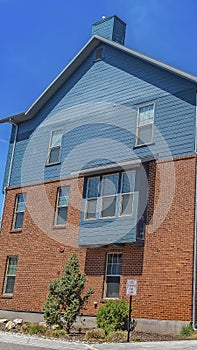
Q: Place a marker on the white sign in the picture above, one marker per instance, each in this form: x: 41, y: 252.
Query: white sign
x: 131, y: 288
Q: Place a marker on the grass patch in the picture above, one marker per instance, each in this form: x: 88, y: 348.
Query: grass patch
x: 59, y: 333
x: 33, y: 328
x: 187, y: 330
x: 95, y: 335
x: 117, y: 337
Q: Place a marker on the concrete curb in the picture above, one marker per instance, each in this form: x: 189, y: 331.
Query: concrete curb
x: 64, y: 345
x: 42, y: 342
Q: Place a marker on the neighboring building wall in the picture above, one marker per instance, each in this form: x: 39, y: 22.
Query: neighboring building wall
x: 163, y: 266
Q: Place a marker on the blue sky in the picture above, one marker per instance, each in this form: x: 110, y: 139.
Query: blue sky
x: 39, y: 37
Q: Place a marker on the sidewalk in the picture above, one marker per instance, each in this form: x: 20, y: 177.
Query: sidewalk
x: 32, y: 341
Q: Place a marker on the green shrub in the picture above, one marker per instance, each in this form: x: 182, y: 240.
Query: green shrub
x: 113, y: 316
x: 186, y: 330
x: 117, y: 337
x: 96, y: 334
x: 33, y: 328
x: 59, y: 333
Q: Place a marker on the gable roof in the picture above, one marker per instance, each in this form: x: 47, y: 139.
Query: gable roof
x: 76, y: 62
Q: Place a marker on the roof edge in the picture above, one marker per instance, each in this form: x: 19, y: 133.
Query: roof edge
x: 15, y: 118
x: 149, y: 59
x: 93, y: 42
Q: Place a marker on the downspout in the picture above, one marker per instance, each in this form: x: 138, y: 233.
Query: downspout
x: 195, y: 257
x: 195, y: 239
x: 10, y: 170
x: 13, y: 150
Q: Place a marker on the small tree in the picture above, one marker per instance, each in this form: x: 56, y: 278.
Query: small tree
x: 65, y: 299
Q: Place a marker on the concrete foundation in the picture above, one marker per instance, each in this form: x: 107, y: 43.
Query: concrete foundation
x: 159, y: 326
x: 87, y: 322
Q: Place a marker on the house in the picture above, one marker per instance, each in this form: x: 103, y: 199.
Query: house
x: 104, y: 164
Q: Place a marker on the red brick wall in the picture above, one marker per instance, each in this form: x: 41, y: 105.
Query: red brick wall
x: 41, y: 258
x: 163, y: 266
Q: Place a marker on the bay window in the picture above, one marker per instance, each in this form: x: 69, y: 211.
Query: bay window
x: 110, y: 196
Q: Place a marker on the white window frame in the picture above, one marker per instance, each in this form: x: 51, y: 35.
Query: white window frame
x: 6, y: 274
x: 138, y: 127
x: 105, y: 196
x: 60, y: 206
x: 126, y: 193
x: 87, y: 198
x: 50, y: 147
x: 105, y: 279
x: 18, y: 211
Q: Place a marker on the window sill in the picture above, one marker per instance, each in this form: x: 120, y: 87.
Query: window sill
x: 144, y: 145
x: 59, y: 227
x: 107, y: 219
x: 51, y: 164
x: 7, y: 296
x: 16, y: 230
x: 106, y: 299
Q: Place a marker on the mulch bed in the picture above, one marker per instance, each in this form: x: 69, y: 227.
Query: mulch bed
x: 134, y: 336
x: 144, y: 336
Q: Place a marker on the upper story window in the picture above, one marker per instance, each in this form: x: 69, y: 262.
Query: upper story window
x: 109, y: 196
x: 62, y: 205
x: 10, y: 275
x: 145, y: 124
x: 127, y: 189
x: 109, y: 192
x: 92, y: 194
x: 19, y: 211
x: 55, y: 147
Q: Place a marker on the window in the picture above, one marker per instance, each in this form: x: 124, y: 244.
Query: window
x: 93, y: 186
x: 111, y: 195
x: 127, y: 195
x: 145, y: 123
x: 62, y: 205
x: 10, y: 274
x: 112, y: 278
x: 55, y: 147
x: 19, y: 211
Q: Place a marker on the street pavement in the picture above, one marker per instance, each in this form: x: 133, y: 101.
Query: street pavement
x: 10, y: 341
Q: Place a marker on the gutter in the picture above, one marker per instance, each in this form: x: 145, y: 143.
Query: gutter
x: 195, y: 239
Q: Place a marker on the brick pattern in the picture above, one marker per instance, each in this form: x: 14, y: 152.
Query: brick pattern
x: 163, y: 266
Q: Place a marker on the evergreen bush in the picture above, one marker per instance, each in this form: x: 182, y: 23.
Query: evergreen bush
x: 65, y: 299
x: 113, y: 316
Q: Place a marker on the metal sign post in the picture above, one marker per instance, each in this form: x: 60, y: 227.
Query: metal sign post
x: 129, y: 325
x: 131, y: 289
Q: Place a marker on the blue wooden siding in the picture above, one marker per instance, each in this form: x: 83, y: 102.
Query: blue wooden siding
x: 97, y: 109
